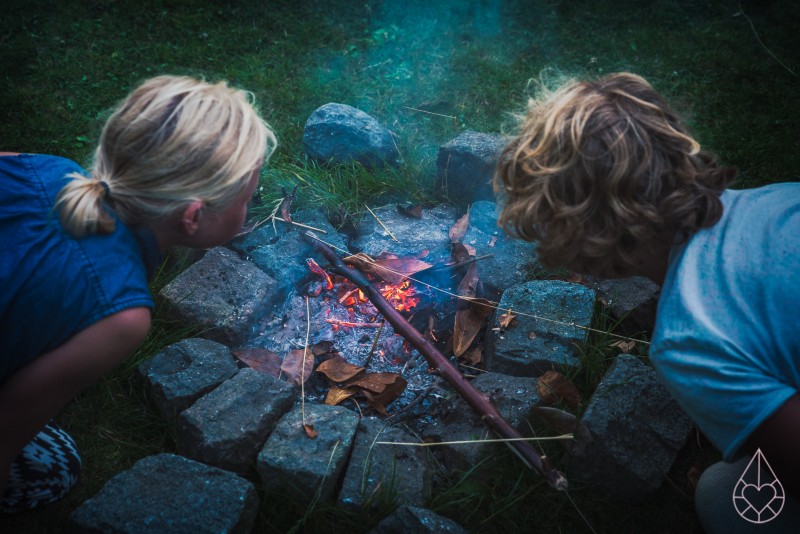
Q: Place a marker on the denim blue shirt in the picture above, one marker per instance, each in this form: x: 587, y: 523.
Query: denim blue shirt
x: 52, y: 285
x: 727, y: 338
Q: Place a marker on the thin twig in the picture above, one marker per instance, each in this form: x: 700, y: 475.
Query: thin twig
x: 452, y: 117
x: 303, y: 365
x: 381, y: 223
x: 301, y: 225
x: 753, y: 27
x: 375, y: 65
x: 374, y: 344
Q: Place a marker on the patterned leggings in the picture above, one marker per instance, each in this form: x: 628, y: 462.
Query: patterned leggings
x: 45, y: 470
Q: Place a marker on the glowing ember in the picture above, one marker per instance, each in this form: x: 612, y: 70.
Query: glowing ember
x: 402, y: 297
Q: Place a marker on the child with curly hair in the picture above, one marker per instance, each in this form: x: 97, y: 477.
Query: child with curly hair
x: 606, y: 179
x: 177, y: 163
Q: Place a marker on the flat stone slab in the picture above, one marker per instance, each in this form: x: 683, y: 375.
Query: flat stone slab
x: 415, y: 520
x: 169, y: 493
x: 514, y: 397
x: 637, y: 431
x: 379, y: 472
x: 305, y: 466
x: 185, y: 371
x: 547, y: 341
x: 340, y: 133
x: 223, y: 293
x: 465, y: 166
x: 228, y: 426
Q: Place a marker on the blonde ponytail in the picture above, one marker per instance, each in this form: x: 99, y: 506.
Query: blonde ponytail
x: 173, y: 140
x: 81, y: 207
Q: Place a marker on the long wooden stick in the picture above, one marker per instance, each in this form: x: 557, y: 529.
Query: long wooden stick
x: 477, y: 400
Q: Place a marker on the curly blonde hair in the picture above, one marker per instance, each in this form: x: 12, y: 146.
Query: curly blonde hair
x: 603, y: 170
x: 173, y: 140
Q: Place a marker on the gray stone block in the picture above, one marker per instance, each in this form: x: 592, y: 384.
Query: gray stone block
x: 168, y: 493
x: 514, y: 398
x: 292, y: 461
x: 465, y: 166
x: 223, y: 293
x: 513, y: 261
x: 185, y: 371
x: 340, y: 133
x: 637, y: 431
x: 377, y: 472
x: 227, y: 427
x: 634, y: 300
x: 548, y: 342
x: 415, y: 520
x: 431, y: 233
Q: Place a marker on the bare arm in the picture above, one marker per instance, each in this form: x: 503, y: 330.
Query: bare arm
x: 35, y: 393
x: 779, y: 440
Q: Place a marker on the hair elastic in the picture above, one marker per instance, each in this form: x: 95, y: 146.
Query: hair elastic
x: 106, y: 188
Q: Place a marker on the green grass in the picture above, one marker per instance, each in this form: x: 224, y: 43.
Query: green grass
x: 65, y: 65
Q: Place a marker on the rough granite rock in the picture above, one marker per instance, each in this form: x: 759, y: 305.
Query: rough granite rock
x: 281, y: 251
x: 637, y: 431
x: 534, y: 346
x: 340, y: 133
x: 465, y: 166
x: 414, y: 520
x: 377, y: 472
x: 634, y: 300
x: 514, y: 397
x: 292, y: 461
x: 169, y: 493
x: 227, y: 427
x: 513, y: 261
x: 413, y: 236
x: 185, y: 371
x: 223, y: 293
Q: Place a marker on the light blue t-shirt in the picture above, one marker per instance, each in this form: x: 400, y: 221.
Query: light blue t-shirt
x: 727, y: 337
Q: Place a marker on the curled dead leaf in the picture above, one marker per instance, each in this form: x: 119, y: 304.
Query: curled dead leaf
x: 507, y: 320
x: 468, y: 324
x: 459, y: 229
x: 337, y: 395
x: 298, y: 365
x: 337, y: 369
x: 553, y: 387
x: 411, y: 210
x: 262, y: 360
x: 473, y: 356
x: 391, y: 269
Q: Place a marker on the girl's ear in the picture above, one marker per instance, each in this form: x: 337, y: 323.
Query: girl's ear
x: 191, y: 217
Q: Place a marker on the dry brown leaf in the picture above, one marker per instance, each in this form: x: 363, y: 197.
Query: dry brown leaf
x: 337, y: 395
x: 298, y: 365
x: 468, y: 324
x: 374, y: 382
x: 392, y: 270
x: 321, y: 347
x: 414, y: 211
x: 554, y: 387
x: 262, y: 360
x: 459, y: 229
x: 625, y: 346
x: 337, y: 369
x: 473, y: 356
x: 310, y: 432
x: 507, y: 320
x: 392, y: 390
